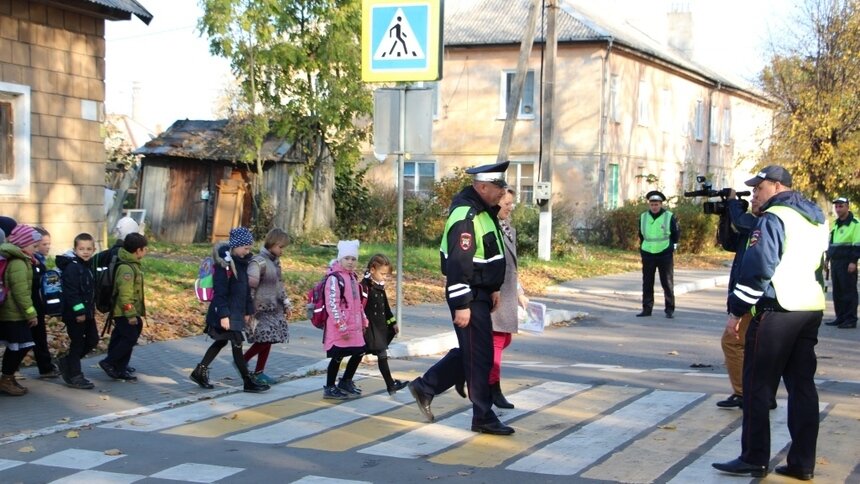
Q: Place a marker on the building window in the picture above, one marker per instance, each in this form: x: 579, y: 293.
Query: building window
x: 714, y: 126
x: 418, y: 177
x: 666, y: 110
x: 699, y: 122
x: 727, y: 126
x: 15, y: 142
x: 615, y: 98
x: 521, y: 177
x: 527, y: 104
x: 644, y: 110
x: 614, y: 183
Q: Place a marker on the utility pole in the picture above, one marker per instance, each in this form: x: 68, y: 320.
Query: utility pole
x: 512, y: 110
x: 547, y: 134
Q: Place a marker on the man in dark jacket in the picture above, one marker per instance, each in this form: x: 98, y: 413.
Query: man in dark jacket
x: 842, y: 255
x: 473, y: 261
x: 780, y: 284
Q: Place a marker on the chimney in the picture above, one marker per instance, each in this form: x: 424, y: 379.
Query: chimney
x: 680, y: 36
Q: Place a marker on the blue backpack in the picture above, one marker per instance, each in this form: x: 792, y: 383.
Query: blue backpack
x: 51, y: 291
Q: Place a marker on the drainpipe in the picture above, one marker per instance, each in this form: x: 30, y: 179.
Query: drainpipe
x: 604, y: 122
x: 710, y: 126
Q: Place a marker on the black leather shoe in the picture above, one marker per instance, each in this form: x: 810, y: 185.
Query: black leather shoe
x: 423, y: 401
x: 109, y: 369
x: 740, y: 467
x: 734, y: 401
x: 795, y: 473
x: 125, y: 375
x: 847, y: 325
x: 670, y: 315
x: 773, y: 405
x: 644, y: 314
x: 396, y: 385
x: 835, y: 322
x: 460, y: 388
x: 494, y: 428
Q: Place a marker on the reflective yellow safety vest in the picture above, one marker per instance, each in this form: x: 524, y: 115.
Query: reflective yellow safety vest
x: 846, y: 235
x: 484, y: 225
x: 655, y: 232
x: 794, y: 278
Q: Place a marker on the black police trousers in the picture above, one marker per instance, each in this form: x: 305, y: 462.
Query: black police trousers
x: 472, y: 360
x: 844, y: 291
x: 781, y: 344
x: 666, y: 264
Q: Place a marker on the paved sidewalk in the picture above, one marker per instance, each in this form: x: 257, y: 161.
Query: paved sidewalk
x: 630, y: 283
x: 163, y: 367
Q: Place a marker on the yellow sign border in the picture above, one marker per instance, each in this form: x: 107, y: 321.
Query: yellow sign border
x: 432, y: 72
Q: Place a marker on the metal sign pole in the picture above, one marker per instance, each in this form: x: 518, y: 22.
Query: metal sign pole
x: 400, y: 168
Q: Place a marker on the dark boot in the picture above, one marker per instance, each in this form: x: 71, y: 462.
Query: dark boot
x: 252, y: 385
x: 200, y: 376
x: 499, y: 399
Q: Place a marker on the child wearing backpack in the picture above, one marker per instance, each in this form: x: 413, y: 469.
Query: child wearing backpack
x: 382, y: 325
x: 344, y: 330
x: 271, y: 304
x: 17, y: 312
x: 230, y: 309
x: 47, y: 368
x: 129, y: 309
x: 78, y: 309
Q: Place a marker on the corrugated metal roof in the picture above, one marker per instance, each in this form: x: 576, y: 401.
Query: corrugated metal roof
x: 502, y: 22
x: 210, y: 140
x: 129, y: 6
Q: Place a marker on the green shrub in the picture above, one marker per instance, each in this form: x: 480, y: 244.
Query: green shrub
x: 526, y: 220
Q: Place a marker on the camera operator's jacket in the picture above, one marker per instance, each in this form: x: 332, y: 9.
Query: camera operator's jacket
x: 845, y: 240
x: 781, y: 268
x: 658, y: 233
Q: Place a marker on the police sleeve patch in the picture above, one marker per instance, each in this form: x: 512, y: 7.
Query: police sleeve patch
x: 754, y: 238
x: 465, y: 241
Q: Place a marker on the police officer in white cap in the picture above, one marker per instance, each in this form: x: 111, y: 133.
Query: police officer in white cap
x: 842, y: 255
x: 658, y: 236
x: 473, y: 261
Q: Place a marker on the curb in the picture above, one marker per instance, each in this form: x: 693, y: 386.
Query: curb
x: 684, y: 288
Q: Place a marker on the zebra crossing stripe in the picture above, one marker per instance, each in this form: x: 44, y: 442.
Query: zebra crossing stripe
x: 654, y: 454
x: 319, y: 421
x: 574, y: 452
x: 839, y: 457
x: 538, y: 427
x: 212, y: 408
x: 326, y: 480
x: 432, y: 438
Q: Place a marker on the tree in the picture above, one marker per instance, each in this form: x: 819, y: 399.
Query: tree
x: 815, y: 77
x: 298, y: 63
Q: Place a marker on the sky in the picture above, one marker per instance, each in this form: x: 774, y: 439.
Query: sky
x: 177, y: 77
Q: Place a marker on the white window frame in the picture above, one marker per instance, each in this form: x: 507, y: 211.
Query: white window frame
x: 666, y: 110
x: 615, y: 98
x: 417, y: 178
x: 19, y: 96
x: 644, y: 104
x: 727, y: 126
x: 515, y: 169
x: 503, y: 95
x: 698, y: 121
x: 714, y: 126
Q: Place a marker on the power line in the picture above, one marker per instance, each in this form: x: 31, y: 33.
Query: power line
x: 151, y: 34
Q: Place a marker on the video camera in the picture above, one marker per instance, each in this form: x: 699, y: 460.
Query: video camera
x: 717, y: 207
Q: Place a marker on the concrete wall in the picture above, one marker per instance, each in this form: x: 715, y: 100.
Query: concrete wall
x: 60, y: 55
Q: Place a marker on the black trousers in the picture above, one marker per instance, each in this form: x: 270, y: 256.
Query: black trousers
x: 472, y: 361
x: 844, y: 291
x: 666, y: 264
x: 781, y: 344
x: 83, y: 338
x: 40, y: 346
x: 122, y: 340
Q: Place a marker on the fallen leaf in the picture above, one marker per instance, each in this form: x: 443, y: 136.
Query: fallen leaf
x: 667, y: 427
x: 822, y: 461
x: 464, y: 473
x: 104, y: 397
x: 27, y: 449
x: 64, y: 420
x: 231, y: 417
x: 135, y: 423
x: 113, y: 452
x: 672, y: 353
x: 92, y: 405
x: 72, y: 434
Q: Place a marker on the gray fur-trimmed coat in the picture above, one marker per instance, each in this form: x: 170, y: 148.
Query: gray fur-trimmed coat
x: 505, y: 317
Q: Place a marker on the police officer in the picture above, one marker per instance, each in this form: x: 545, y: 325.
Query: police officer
x: 658, y: 236
x: 779, y: 284
x: 842, y: 256
x: 473, y: 261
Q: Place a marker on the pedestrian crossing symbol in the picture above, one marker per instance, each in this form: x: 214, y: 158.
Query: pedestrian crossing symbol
x: 401, y: 41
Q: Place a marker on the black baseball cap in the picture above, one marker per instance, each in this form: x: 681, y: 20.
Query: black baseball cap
x: 773, y: 173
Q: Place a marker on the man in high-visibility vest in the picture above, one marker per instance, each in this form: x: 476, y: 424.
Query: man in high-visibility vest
x: 842, y: 256
x: 473, y: 260
x: 780, y: 284
x: 658, y: 236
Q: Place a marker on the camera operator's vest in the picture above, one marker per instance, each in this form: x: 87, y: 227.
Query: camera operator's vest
x: 794, y: 278
x: 655, y: 232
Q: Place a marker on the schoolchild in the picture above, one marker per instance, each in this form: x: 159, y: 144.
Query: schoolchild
x: 78, y: 309
x: 129, y: 310
x: 47, y: 368
x: 271, y: 304
x: 382, y: 327
x: 343, y: 335
x: 230, y: 309
x: 17, y: 313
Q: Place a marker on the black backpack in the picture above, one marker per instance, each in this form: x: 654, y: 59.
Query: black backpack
x: 104, y: 282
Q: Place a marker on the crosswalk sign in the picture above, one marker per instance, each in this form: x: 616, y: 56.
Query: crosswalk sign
x: 401, y: 40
